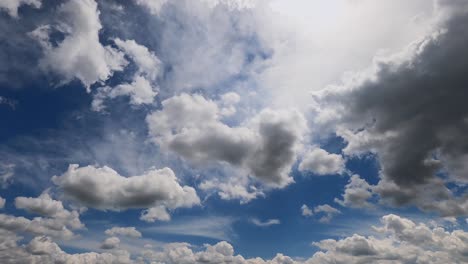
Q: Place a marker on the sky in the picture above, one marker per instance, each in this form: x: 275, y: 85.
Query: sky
x: 233, y: 131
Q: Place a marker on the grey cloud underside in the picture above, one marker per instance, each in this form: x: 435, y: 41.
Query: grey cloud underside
x: 412, y: 113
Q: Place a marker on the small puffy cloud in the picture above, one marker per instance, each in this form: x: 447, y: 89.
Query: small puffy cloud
x: 357, y: 193
x: 11, y: 6
x: 123, y: 231
x: 2, y: 202
x: 155, y: 213
x: 104, y: 189
x: 232, y: 189
x: 327, y: 211
x: 190, y: 126
x: 265, y: 223
x: 80, y: 54
x: 306, y: 211
x: 110, y: 243
x: 321, y: 162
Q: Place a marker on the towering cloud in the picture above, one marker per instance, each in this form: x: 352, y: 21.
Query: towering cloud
x: 410, y: 111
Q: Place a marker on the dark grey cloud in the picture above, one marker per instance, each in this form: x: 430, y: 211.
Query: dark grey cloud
x: 411, y: 111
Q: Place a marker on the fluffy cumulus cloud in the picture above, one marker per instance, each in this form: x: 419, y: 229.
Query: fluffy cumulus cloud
x: 80, y: 54
x: 266, y: 147
x: 54, y: 219
x: 11, y: 6
x: 321, y: 162
x: 409, y: 110
x: 110, y: 243
x: 123, y: 231
x: 403, y: 241
x: 357, y: 193
x: 103, y: 188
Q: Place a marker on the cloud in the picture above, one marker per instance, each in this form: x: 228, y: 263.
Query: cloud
x: 8, y: 102
x: 7, y: 170
x: 143, y: 89
x: 403, y: 242
x: 328, y: 211
x: 321, y: 162
x: 104, y: 189
x: 265, y: 223
x: 191, y: 126
x: 123, y: 231
x: 11, y: 6
x: 2, y: 202
x: 44, y: 205
x: 155, y: 213
x: 43, y: 249
x: 306, y: 211
x: 408, y: 111
x: 110, y: 243
x: 80, y: 54
x: 55, y: 220
x: 357, y: 193
x: 209, y: 227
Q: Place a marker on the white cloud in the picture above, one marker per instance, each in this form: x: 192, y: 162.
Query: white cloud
x: 103, y: 188
x: 321, y: 162
x: 44, y: 205
x: 155, y: 213
x: 7, y: 170
x: 2, y: 202
x: 11, y: 6
x: 357, y: 193
x: 328, y: 211
x: 123, y: 231
x: 110, y: 243
x: 265, y: 223
x: 190, y: 125
x: 80, y: 54
x: 306, y: 211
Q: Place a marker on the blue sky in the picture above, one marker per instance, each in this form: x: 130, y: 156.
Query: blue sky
x: 230, y: 131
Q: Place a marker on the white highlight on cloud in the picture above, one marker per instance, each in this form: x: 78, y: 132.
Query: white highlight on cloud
x: 104, y: 189
x: 265, y: 223
x: 80, y: 55
x: 123, y: 231
x: 321, y: 162
x: 11, y: 6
